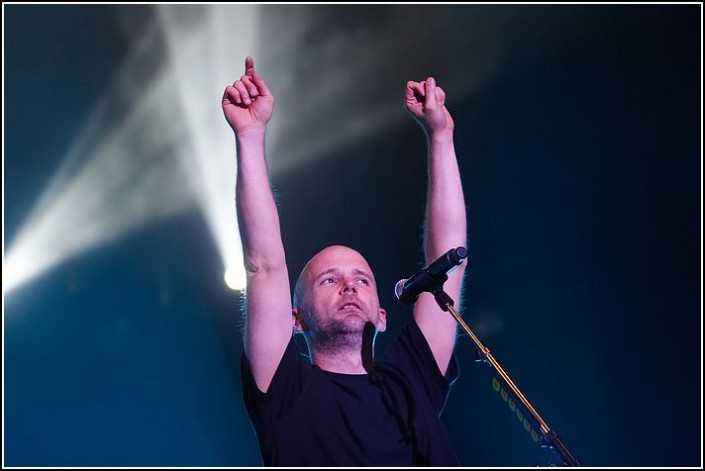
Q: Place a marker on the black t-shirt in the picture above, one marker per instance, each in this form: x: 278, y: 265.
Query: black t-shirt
x: 310, y: 417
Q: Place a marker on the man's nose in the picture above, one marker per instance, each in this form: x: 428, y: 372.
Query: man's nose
x: 349, y: 286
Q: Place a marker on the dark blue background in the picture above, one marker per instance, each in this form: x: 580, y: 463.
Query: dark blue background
x: 581, y: 163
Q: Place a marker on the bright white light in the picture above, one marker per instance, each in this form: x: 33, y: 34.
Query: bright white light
x: 170, y: 148
x: 235, y: 278
x: 158, y: 141
x: 207, y: 56
x: 117, y: 177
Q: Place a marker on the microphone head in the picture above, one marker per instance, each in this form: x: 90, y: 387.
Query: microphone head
x: 403, y: 297
x: 399, y: 288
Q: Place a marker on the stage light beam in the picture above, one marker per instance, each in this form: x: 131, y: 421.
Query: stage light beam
x: 203, y: 56
x: 171, y: 146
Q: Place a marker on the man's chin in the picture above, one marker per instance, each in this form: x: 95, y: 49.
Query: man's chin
x: 353, y: 322
x: 356, y: 321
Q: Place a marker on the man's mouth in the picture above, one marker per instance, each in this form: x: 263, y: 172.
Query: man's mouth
x: 350, y: 306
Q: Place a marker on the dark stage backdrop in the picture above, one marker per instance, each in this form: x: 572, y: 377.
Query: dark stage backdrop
x: 578, y: 134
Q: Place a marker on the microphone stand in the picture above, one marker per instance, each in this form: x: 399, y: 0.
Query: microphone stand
x: 549, y: 438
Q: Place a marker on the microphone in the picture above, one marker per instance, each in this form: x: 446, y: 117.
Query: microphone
x: 429, y: 278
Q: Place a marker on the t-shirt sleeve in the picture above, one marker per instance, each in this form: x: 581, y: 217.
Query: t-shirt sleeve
x: 412, y: 355
x: 285, y: 388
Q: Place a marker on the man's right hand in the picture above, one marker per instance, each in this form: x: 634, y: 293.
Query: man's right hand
x: 247, y: 103
x: 426, y: 103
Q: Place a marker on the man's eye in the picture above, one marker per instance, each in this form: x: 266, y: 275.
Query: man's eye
x: 326, y: 281
x: 363, y: 281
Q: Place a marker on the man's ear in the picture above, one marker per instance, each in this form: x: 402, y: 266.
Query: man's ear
x: 299, y: 325
x: 382, y: 323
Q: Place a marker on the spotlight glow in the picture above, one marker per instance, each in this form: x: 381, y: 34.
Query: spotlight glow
x: 172, y: 147
x: 109, y: 184
x: 157, y: 142
x: 235, y: 278
x: 204, y: 62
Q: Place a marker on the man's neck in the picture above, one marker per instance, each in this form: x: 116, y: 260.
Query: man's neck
x: 351, y: 354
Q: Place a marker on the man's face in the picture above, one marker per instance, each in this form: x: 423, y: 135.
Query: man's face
x: 340, y: 294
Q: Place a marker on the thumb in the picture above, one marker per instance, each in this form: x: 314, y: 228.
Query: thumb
x: 431, y: 99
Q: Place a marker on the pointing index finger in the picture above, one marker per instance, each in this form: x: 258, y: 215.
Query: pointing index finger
x: 249, y: 66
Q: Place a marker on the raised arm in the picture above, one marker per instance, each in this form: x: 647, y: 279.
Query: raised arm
x: 248, y: 105
x: 445, y: 225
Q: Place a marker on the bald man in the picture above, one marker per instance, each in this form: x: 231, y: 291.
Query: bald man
x: 343, y: 406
